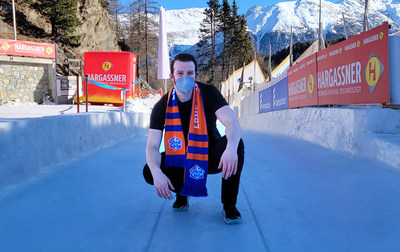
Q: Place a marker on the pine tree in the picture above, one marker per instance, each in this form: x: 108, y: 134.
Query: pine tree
x: 209, y: 29
x: 63, y: 18
x: 232, y: 28
x: 227, y: 32
x: 245, y: 46
x: 241, y: 44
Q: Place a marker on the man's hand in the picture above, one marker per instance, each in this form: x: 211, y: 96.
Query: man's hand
x: 228, y: 163
x: 233, y: 132
x: 163, y: 185
x: 153, y: 158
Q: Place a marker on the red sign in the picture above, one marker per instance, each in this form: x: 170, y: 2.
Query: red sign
x: 30, y: 49
x: 355, y: 71
x: 302, y: 84
x: 108, y: 74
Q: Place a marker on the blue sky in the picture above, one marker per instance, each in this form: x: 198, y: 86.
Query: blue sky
x: 244, y: 5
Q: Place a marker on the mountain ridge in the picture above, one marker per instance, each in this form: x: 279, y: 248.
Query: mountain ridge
x: 272, y: 23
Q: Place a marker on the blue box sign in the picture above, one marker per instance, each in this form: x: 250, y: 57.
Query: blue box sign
x: 265, y: 100
x: 274, y: 97
x: 280, y: 95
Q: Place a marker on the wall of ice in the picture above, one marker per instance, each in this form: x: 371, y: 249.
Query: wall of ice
x: 31, y: 146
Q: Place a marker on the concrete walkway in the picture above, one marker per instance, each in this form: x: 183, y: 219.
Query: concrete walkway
x: 294, y: 196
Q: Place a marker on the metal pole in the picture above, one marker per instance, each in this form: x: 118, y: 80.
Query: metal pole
x: 344, y: 24
x: 291, y: 46
x: 86, y: 91
x: 255, y: 66
x: 321, y: 44
x: 77, y: 93
x: 365, y: 26
x: 269, y: 64
x: 14, y: 20
x: 124, y: 103
x: 165, y: 86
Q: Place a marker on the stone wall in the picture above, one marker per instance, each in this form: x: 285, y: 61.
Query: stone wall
x: 28, y: 81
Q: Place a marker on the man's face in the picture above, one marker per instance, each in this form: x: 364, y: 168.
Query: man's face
x: 182, y: 69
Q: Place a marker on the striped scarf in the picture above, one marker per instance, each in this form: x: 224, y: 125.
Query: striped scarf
x: 194, y: 157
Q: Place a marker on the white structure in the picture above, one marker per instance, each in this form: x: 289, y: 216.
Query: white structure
x: 252, y: 75
x: 281, y: 68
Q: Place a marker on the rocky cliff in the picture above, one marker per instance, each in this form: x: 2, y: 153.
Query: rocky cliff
x: 96, y: 31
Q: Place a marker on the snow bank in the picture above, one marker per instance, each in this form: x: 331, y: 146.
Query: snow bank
x: 373, y: 133
x: 144, y: 104
x: 32, y: 145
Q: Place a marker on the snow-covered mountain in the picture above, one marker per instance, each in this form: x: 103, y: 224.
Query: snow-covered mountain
x: 271, y: 24
x: 183, y: 27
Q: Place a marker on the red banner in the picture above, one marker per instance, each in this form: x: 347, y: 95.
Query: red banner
x: 355, y: 71
x: 25, y: 48
x: 302, y: 89
x: 108, y: 74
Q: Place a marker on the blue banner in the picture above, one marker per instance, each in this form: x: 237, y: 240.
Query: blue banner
x: 274, y: 97
x: 265, y: 100
x: 280, y: 95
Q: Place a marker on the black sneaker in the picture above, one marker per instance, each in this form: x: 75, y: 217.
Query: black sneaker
x: 231, y: 215
x: 181, y: 203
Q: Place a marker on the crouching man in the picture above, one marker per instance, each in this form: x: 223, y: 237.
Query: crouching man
x: 193, y: 145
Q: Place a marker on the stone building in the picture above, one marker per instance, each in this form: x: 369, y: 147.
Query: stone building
x: 31, y: 79
x: 25, y: 79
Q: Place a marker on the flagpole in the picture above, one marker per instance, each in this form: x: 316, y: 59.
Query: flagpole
x: 163, y: 55
x: 14, y: 20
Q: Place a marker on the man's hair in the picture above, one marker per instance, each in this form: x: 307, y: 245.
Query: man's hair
x: 184, y: 57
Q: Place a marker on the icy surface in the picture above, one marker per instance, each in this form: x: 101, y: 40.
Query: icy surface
x: 294, y: 196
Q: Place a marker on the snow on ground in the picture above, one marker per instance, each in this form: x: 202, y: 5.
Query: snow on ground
x: 144, y: 104
x: 20, y: 109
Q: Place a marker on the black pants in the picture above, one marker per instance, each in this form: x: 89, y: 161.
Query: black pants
x: 229, y: 188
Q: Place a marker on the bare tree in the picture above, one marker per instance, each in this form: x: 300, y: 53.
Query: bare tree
x: 115, y: 8
x: 142, y: 38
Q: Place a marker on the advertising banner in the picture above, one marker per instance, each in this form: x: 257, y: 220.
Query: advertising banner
x: 25, y: 48
x: 274, y: 97
x: 280, y: 95
x: 110, y: 74
x: 265, y: 100
x: 355, y: 71
x: 302, y: 84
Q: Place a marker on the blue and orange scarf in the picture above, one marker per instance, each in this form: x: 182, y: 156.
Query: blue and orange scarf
x: 194, y: 156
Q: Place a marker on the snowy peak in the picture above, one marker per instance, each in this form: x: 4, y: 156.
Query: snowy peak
x: 183, y: 26
x: 272, y: 23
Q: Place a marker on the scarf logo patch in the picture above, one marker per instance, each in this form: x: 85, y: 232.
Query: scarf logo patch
x: 197, y: 173
x: 175, y: 143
